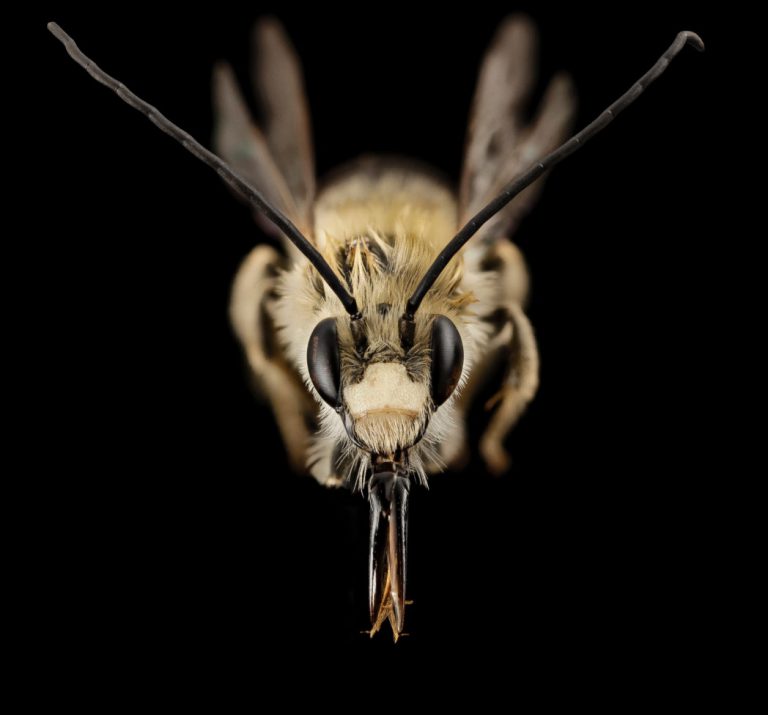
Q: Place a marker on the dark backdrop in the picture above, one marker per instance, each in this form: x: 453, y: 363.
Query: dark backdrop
x: 174, y: 549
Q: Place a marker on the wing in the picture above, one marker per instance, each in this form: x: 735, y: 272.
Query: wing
x: 280, y: 88
x: 499, y: 144
x: 277, y: 161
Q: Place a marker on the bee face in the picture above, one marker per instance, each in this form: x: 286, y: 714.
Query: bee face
x: 387, y: 411
x: 385, y: 393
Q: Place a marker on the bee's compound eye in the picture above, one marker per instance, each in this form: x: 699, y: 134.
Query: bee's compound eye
x: 323, y: 361
x: 447, y: 359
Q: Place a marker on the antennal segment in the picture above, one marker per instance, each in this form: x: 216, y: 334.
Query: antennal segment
x: 209, y: 158
x: 534, y: 172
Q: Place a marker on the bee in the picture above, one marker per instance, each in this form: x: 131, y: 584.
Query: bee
x: 371, y: 331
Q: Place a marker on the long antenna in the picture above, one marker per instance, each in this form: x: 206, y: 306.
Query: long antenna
x: 534, y: 172
x: 222, y: 168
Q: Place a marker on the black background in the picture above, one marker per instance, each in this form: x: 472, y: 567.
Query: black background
x: 174, y: 550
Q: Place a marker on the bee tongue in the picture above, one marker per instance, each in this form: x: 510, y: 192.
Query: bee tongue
x: 388, y: 496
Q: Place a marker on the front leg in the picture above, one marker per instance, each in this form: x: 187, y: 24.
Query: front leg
x: 520, y: 385
x: 511, y: 284
x: 250, y: 313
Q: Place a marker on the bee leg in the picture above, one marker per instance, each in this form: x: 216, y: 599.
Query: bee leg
x: 512, y: 282
x: 249, y: 310
x: 519, y: 388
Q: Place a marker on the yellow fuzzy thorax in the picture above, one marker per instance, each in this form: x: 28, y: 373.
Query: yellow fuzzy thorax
x: 392, y: 202
x: 382, y: 229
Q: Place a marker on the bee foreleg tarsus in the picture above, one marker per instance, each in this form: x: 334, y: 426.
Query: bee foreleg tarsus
x: 520, y: 386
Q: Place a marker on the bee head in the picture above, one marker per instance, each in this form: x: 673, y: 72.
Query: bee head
x: 384, y: 383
